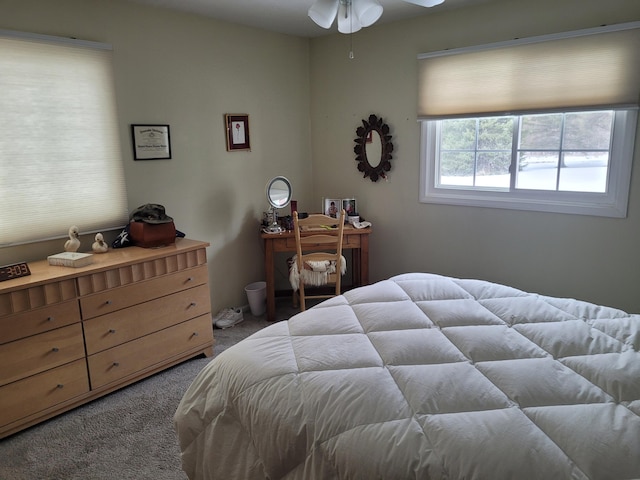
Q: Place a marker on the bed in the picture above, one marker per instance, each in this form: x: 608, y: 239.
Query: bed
x: 427, y: 377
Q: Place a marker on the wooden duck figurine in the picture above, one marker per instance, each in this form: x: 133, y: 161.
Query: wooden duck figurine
x: 73, y: 244
x: 99, y: 246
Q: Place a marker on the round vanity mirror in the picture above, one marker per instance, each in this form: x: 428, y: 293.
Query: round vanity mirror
x: 373, y: 148
x: 279, y: 193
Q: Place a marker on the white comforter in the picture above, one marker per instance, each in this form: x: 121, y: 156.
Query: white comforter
x: 426, y: 377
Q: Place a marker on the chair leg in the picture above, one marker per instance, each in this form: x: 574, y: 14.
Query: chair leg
x: 294, y: 299
x: 301, y: 297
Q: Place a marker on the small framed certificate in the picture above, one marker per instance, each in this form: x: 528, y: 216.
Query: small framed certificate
x: 151, y: 142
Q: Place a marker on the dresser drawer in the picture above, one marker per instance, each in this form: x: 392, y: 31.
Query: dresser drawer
x: 122, y: 297
x: 130, y: 323
x: 38, y: 353
x: 39, y: 320
x: 127, y: 359
x: 39, y: 392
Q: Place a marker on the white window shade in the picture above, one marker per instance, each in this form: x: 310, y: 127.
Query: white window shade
x: 597, y: 68
x: 60, y: 155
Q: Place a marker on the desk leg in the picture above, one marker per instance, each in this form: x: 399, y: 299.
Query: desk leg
x: 364, y: 260
x: 269, y: 273
x: 357, y: 267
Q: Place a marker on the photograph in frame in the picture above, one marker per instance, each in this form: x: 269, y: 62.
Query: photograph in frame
x: 331, y: 206
x: 151, y: 142
x: 237, y: 131
x: 350, y: 206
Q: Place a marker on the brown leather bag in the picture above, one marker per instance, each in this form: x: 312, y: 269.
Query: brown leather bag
x: 151, y: 235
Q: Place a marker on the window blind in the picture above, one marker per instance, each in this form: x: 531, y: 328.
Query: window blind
x: 60, y: 155
x: 598, y: 67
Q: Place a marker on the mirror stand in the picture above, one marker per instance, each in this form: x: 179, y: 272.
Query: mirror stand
x: 273, y: 221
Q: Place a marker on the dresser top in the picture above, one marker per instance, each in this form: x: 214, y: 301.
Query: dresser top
x: 42, y: 272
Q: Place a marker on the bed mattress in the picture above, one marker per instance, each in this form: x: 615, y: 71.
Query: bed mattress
x: 427, y: 377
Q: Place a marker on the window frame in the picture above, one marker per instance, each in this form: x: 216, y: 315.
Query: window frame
x: 613, y: 203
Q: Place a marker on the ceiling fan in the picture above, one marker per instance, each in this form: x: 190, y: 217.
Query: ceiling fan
x: 353, y: 14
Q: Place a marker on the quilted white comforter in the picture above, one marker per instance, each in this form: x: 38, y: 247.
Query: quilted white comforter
x: 426, y: 377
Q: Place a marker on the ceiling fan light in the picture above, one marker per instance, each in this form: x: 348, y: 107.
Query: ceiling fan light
x: 347, y: 21
x: 367, y: 11
x: 323, y: 12
x: 425, y: 3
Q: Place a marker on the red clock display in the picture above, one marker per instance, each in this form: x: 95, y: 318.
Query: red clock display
x: 15, y: 270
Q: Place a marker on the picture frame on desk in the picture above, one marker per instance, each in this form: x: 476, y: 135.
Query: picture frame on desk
x: 350, y: 206
x: 330, y: 206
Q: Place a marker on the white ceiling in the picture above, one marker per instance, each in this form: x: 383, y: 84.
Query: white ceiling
x: 290, y: 16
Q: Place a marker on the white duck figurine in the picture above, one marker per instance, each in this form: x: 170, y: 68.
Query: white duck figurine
x: 99, y: 246
x: 73, y: 244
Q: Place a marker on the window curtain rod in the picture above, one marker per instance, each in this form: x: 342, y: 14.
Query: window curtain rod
x: 54, y: 39
x: 527, y: 40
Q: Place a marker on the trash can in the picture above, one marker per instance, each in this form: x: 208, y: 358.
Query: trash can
x: 257, y: 296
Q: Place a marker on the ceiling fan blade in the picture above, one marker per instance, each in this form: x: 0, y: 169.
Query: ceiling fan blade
x: 347, y: 21
x: 323, y: 12
x: 368, y: 12
x: 425, y: 3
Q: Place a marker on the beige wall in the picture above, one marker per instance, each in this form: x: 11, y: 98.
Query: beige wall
x: 595, y: 259
x: 305, y: 100
x: 188, y: 71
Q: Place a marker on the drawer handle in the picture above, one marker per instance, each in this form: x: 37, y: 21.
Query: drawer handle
x: 60, y: 385
x: 55, y: 349
x: 111, y: 330
x: 194, y: 334
x: 192, y: 304
x: 49, y: 319
x: 116, y: 364
x: 190, y: 279
x: 108, y: 302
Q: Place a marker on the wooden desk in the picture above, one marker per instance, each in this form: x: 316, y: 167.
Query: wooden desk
x: 355, y: 239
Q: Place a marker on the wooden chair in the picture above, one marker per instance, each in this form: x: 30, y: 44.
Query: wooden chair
x: 309, y: 262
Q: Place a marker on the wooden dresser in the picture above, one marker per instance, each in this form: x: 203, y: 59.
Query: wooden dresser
x: 70, y: 335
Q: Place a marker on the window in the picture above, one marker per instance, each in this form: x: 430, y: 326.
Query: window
x: 562, y: 162
x: 60, y: 155
x: 530, y: 133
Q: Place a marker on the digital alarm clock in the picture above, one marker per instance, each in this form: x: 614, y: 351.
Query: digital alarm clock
x: 15, y: 270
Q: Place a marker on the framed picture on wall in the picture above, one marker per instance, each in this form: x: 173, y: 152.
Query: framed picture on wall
x: 151, y: 142
x: 237, y: 131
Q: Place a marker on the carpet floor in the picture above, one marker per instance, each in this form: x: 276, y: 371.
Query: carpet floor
x: 125, y: 435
